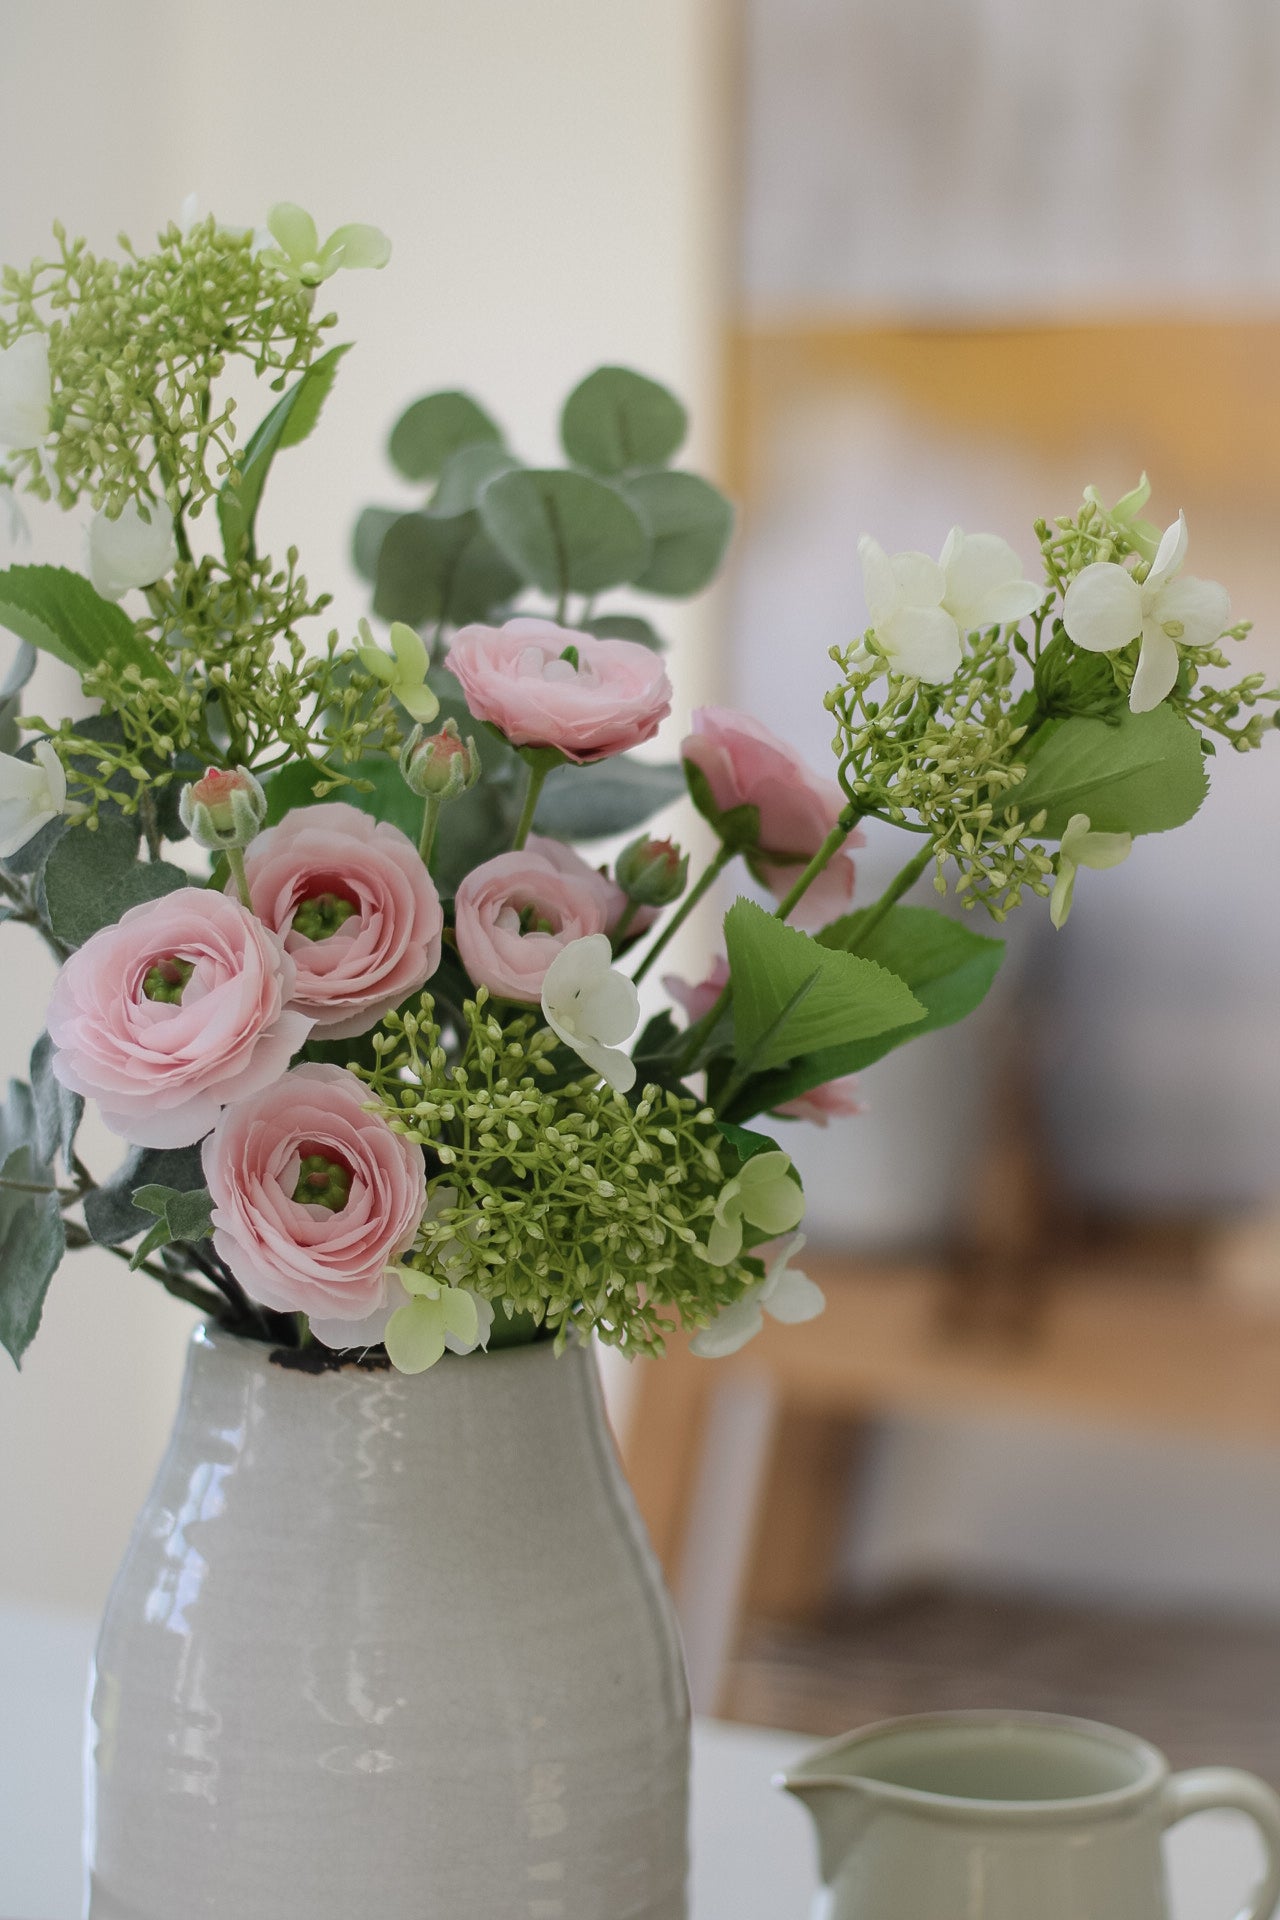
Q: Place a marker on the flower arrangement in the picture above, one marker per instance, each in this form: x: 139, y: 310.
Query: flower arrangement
x: 330, y: 963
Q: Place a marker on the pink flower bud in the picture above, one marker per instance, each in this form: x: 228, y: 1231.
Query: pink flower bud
x: 439, y: 765
x: 652, y: 872
x: 224, y: 809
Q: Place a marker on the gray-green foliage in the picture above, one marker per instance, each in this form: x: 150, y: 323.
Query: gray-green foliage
x: 32, y: 1236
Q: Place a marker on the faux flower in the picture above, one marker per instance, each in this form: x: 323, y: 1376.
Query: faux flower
x: 314, y: 1197
x: 565, y: 859
x: 439, y: 766
x: 131, y: 551
x: 32, y: 792
x: 542, y: 685
x: 1105, y: 609
x: 356, y: 908
x: 515, y: 913
x: 1124, y: 518
x: 1081, y: 847
x: 404, y: 669
x: 698, y: 998
x: 298, y: 250
x: 764, y: 1195
x: 920, y: 609
x: 785, y: 1294
x: 744, y: 764
x: 590, y: 1005
x: 224, y: 808
x: 454, y: 1260
x: 652, y: 872
x: 434, y: 1316
x: 833, y: 1100
x: 178, y: 1009
x: 26, y: 392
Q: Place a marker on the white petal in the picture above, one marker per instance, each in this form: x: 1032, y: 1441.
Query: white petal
x: 732, y: 1327
x: 55, y: 778
x: 923, y: 643
x: 366, y: 1332
x: 294, y: 232
x: 1201, y: 607
x: 25, y: 392
x: 795, y: 1298
x: 612, y: 1007
x: 920, y: 580
x: 1157, y: 670
x: 1103, y: 850
x: 484, y: 1325
x: 1063, y: 888
x: 356, y: 246
x: 984, y: 582
x: 879, y: 585
x: 1102, y: 611
x: 1074, y: 835
x: 1170, y: 554
x: 130, y: 551
x: 618, y: 1068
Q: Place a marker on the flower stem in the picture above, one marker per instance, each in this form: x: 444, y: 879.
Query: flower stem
x: 723, y: 856
x: 235, y: 860
x: 624, y: 920
x: 538, y: 771
x: 903, y: 882
x: 430, y: 818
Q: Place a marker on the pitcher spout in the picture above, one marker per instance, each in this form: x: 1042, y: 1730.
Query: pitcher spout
x: 839, y: 1807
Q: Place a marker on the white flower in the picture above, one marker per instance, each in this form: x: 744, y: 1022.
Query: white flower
x: 785, y: 1295
x: 763, y: 1194
x: 1124, y: 518
x: 130, y: 551
x: 1105, y: 608
x: 434, y: 1317
x: 592, y: 1006
x: 26, y: 392
x: 1080, y: 847
x: 32, y: 792
x: 297, y: 245
x: 920, y: 609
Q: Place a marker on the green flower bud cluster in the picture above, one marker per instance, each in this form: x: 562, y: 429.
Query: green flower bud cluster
x: 573, y: 1204
x: 653, y: 873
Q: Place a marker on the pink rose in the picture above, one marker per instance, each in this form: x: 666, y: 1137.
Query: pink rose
x: 566, y: 860
x: 313, y: 1195
x: 178, y: 1009
x: 547, y: 686
x: 356, y: 908
x: 834, y: 1099
x: 697, y: 1000
x: 746, y: 765
x: 515, y: 913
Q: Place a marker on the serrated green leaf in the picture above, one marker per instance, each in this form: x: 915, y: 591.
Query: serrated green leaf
x: 58, y: 1112
x: 564, y: 531
x: 690, y: 523
x: 745, y: 1142
x: 616, y: 419
x: 288, y: 424
x: 91, y: 878
x: 60, y: 613
x: 792, y: 996
x: 434, y: 427
x: 612, y: 796
x: 1142, y: 774
x: 32, y: 1243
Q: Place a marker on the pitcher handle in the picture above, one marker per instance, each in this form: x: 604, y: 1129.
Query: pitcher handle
x: 1206, y: 1788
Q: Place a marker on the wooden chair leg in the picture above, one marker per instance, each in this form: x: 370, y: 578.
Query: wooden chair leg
x: 800, y: 1514
x: 662, y: 1447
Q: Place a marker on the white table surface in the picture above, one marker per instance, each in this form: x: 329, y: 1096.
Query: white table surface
x: 753, y: 1859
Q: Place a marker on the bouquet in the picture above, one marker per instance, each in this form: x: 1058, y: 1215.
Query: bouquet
x: 331, y: 966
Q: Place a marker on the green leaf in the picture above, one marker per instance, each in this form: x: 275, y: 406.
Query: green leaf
x: 32, y: 1243
x: 91, y: 878
x: 59, y: 612
x: 434, y: 427
x: 587, y: 803
x: 390, y: 799
x: 616, y: 419
x: 625, y: 626
x: 564, y: 531
x: 1142, y: 774
x: 288, y: 424
x: 745, y: 1142
x: 440, y: 567
x: 366, y: 542
x: 180, y: 1215
x: 57, y: 1111
x: 792, y: 996
x: 690, y: 522
x: 109, y: 1212
x: 467, y: 472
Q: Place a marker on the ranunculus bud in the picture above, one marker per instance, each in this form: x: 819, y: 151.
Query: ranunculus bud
x: 652, y: 872
x: 439, y: 765
x: 223, y: 810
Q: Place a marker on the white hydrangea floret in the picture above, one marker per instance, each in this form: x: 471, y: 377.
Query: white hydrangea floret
x: 762, y: 1193
x: 292, y: 239
x: 1081, y: 847
x: 785, y: 1294
x: 592, y: 1006
x: 1105, y: 609
x: 920, y: 609
x: 26, y: 393
x: 32, y: 792
x: 131, y: 551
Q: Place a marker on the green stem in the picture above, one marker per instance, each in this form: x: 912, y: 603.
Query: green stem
x: 430, y: 819
x: 235, y: 860
x: 538, y: 771
x: 892, y: 894
x: 627, y: 915
x: 723, y: 856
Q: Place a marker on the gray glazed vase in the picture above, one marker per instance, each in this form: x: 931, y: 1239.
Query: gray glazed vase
x: 388, y: 1645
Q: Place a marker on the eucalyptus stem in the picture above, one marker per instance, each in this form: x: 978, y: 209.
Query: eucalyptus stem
x: 235, y: 860
x: 723, y: 856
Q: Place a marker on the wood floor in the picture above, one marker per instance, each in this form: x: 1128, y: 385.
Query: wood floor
x: 1203, y: 1689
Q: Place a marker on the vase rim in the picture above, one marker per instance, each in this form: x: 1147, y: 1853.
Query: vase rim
x: 209, y: 1336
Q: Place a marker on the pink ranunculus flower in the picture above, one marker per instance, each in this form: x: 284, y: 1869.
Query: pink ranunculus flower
x: 833, y: 1100
x: 515, y: 913
x: 746, y: 765
x: 698, y: 997
x: 312, y: 1133
x: 568, y: 861
x: 356, y: 908
x: 179, y: 1008
x: 547, y: 686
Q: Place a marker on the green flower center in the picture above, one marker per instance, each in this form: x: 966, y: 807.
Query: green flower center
x: 532, y: 920
x: 166, y: 979
x: 322, y: 915
x: 323, y: 1182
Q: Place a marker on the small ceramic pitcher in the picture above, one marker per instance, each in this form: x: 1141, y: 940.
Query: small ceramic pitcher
x: 1001, y: 1816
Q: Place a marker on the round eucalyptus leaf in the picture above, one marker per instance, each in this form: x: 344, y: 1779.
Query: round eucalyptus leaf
x: 690, y: 522
x: 432, y: 428
x: 466, y: 471
x: 366, y: 542
x: 565, y: 532
x: 616, y: 419
x: 416, y: 564
x: 625, y: 626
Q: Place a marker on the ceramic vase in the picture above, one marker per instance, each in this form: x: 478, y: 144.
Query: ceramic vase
x: 388, y: 1645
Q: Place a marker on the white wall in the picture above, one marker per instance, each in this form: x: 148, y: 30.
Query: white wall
x: 549, y: 171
